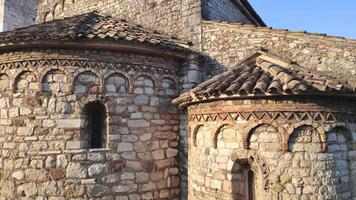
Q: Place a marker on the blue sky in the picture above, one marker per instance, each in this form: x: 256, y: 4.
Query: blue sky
x: 320, y: 16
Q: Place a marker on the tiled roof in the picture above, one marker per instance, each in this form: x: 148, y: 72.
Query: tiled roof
x: 90, y: 26
x: 264, y: 75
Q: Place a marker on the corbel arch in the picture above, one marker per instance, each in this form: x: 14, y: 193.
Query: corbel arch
x: 48, y: 16
x: 345, y: 131
x: 58, y: 10
x: 45, y: 71
x: 43, y: 74
x: 321, y: 132
x: 144, y: 74
x: 194, y: 132
x: 17, y: 75
x: 250, y: 130
x: 217, y: 131
x: 124, y: 75
x: 172, y: 80
x: 82, y: 71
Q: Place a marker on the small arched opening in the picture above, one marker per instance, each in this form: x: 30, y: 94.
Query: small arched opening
x: 95, y: 115
x: 243, y: 181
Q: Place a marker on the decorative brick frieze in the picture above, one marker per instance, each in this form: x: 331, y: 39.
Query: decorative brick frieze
x: 275, y: 116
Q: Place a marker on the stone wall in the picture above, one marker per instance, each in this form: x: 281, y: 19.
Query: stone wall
x: 44, y: 126
x: 17, y: 13
x: 174, y: 17
x: 224, y: 10
x: 227, y: 44
x: 295, y: 157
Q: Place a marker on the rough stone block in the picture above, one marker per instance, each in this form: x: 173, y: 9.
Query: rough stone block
x: 76, y: 170
x: 71, y: 145
x: 70, y: 123
x: 124, y: 146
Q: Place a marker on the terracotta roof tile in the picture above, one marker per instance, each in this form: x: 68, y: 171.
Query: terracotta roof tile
x: 91, y: 26
x: 265, y: 75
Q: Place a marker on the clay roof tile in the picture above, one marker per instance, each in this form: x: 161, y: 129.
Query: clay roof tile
x: 91, y: 26
x: 264, y: 75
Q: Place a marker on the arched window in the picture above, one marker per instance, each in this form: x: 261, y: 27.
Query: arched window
x: 243, y: 181
x: 250, y: 184
x: 95, y: 114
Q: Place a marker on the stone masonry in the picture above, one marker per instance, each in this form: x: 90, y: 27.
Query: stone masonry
x: 288, y: 157
x: 43, y: 138
x: 152, y: 149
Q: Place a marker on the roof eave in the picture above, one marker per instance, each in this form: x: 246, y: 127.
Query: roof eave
x: 186, y: 101
x: 97, y: 45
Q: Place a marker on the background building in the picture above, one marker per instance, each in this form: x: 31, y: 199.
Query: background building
x: 16, y: 14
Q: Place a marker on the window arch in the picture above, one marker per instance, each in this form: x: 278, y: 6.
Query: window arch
x: 95, y: 115
x: 243, y: 181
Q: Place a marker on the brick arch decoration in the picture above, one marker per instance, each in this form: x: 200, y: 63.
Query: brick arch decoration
x: 48, y: 16
x: 17, y: 78
x: 4, y: 81
x: 57, y: 10
x: 345, y: 131
x: 321, y: 132
x: 43, y: 75
x: 93, y: 98
x: 146, y: 75
x: 247, y: 133
x: 99, y: 85
x: 167, y: 90
x: 147, y: 89
x: 125, y: 76
x: 217, y: 131
x: 194, y: 132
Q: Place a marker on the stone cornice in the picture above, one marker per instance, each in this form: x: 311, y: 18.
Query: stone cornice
x: 96, y: 45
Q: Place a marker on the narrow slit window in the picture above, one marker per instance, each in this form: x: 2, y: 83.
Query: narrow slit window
x: 243, y: 181
x: 96, y: 124
x: 251, y: 184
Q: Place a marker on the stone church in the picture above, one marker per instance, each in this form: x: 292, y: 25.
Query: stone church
x: 171, y: 99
